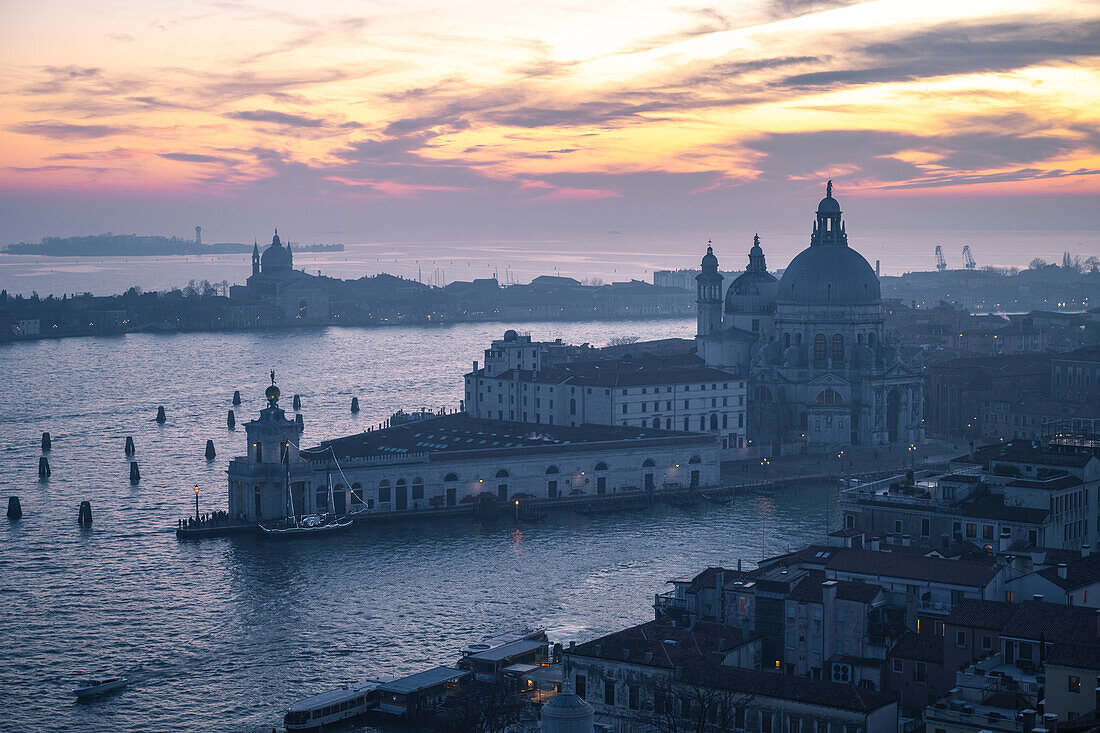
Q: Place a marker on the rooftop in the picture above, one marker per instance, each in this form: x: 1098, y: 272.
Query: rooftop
x: 425, y: 679
x: 461, y: 436
x: 510, y: 649
x: 786, y: 687
x: 666, y: 647
x: 920, y: 647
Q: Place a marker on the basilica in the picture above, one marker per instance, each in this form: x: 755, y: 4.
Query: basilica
x: 821, y: 371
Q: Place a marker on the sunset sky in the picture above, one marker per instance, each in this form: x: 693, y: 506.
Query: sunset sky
x: 620, y: 124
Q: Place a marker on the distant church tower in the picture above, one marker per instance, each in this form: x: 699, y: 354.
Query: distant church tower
x: 255, y: 257
x: 708, y: 304
x: 198, y: 235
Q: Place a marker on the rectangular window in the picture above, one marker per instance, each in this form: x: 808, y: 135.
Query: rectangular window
x: 899, y: 666
x: 685, y: 707
x: 897, y: 526
x: 1010, y: 596
x: 1074, y: 684
x: 971, y: 529
x: 739, y: 719
x: 987, y: 531
x: 579, y: 686
x: 609, y: 692
x: 925, y: 527
x: 920, y: 672
x: 960, y: 639
x: 633, y: 701
x: 987, y: 643
x: 765, y: 722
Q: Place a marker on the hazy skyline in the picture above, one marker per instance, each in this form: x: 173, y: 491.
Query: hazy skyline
x: 625, y: 126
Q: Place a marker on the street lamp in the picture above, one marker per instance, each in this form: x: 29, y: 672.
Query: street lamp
x: 912, y: 456
x: 517, y: 509
x: 196, y: 504
x: 764, y: 463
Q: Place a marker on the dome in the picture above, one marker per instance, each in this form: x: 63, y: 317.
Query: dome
x: 710, y: 262
x: 276, y: 258
x: 753, y: 291
x: 828, y: 205
x: 829, y: 275
x: 566, y: 713
x: 272, y: 393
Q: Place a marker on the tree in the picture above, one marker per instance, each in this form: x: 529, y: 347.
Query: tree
x: 1092, y: 264
x: 623, y: 341
x: 1037, y: 264
x: 696, y: 708
x: 481, y: 709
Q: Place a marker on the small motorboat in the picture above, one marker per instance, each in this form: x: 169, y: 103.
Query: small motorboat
x: 720, y: 499
x: 99, y: 686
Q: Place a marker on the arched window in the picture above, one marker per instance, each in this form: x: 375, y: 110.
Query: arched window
x: 871, y: 339
x: 859, y: 339
x: 668, y: 423
x: 819, y: 347
x: 552, y: 470
x: 502, y: 473
x: 687, y: 426
x: 657, y: 422
x: 786, y: 340
x: 648, y: 463
x: 418, y: 488
x: 838, y: 347
x: 449, y: 477
x: 702, y: 422
x: 829, y: 397
x: 383, y: 491
x: 601, y: 466
x: 695, y: 459
x: 356, y: 494
x: 572, y: 407
x: 714, y: 421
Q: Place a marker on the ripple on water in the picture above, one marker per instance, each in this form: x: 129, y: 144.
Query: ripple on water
x: 222, y: 634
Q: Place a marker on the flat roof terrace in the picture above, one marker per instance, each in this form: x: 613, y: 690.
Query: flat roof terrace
x: 456, y: 436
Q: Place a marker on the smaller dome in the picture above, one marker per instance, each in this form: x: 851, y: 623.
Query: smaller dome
x: 828, y: 205
x: 509, y: 335
x: 710, y: 262
x: 272, y: 393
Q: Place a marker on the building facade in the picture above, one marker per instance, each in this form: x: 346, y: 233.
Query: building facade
x: 822, y: 371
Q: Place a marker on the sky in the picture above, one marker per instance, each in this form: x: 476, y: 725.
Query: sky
x: 624, y: 126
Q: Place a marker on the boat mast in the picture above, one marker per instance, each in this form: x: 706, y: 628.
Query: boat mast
x: 328, y: 483
x: 286, y: 484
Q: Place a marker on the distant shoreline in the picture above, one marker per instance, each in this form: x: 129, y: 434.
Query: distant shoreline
x: 128, y: 245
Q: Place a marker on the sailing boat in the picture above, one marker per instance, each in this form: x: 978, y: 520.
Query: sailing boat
x: 308, y: 524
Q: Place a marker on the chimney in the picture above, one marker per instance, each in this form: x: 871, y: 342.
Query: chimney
x: 876, y: 544
x: 738, y: 564
x: 719, y: 581
x: 906, y: 541
x: 1029, y: 720
x: 828, y: 593
x: 1038, y: 598
x: 1063, y: 570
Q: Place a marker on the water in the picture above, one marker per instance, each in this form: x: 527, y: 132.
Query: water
x: 222, y: 634
x: 442, y: 262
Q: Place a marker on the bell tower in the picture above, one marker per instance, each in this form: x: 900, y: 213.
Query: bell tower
x: 255, y: 258
x: 708, y: 303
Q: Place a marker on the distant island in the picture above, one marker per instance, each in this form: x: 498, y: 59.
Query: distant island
x: 134, y: 245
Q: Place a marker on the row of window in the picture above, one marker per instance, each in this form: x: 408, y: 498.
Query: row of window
x: 687, y: 422
x: 714, y: 712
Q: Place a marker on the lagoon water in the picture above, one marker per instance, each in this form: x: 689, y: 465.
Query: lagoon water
x: 222, y: 634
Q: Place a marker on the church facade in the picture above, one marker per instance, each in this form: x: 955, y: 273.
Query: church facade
x: 295, y: 295
x: 822, y: 372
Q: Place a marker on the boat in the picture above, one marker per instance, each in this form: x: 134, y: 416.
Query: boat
x: 720, y: 499
x: 98, y: 686
x: 334, y: 706
x: 306, y: 525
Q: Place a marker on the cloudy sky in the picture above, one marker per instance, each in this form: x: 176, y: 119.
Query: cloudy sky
x: 625, y: 125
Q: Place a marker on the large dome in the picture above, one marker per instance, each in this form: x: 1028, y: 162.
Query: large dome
x: 276, y: 258
x: 829, y: 272
x: 829, y: 275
